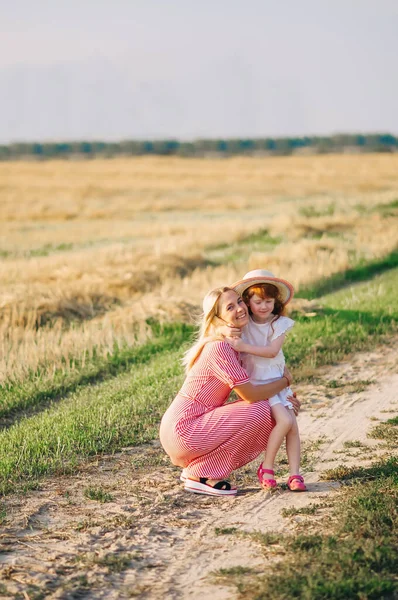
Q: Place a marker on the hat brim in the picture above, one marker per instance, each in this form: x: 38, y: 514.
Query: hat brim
x: 285, y: 288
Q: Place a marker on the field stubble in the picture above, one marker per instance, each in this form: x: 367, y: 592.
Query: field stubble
x: 90, y: 250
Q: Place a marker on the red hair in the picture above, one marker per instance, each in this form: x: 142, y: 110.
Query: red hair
x: 264, y: 291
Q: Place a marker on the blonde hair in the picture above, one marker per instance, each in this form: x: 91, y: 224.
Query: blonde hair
x: 207, y: 326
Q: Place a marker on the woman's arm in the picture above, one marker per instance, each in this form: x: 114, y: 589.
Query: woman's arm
x: 269, y: 351
x: 254, y: 393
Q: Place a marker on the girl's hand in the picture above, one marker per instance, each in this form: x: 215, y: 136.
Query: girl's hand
x: 296, y: 403
x: 229, y: 332
x: 288, y: 375
x: 236, y: 343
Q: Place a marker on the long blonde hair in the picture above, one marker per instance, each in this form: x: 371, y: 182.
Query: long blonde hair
x: 207, y: 326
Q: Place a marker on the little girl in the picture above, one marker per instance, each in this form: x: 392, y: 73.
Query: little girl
x: 266, y: 297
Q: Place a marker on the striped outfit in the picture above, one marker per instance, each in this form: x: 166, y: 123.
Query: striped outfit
x: 202, y: 433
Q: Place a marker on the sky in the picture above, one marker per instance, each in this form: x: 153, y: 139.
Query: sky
x: 187, y: 69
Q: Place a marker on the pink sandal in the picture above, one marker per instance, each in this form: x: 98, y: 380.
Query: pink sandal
x: 295, y: 483
x: 267, y: 484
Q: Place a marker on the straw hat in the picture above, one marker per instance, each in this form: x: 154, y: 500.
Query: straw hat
x: 258, y: 276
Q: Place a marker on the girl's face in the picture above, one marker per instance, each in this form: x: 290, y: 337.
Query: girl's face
x: 261, y: 308
x: 232, y: 309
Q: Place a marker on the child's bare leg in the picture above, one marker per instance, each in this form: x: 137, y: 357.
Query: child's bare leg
x: 284, y: 422
x: 293, y: 446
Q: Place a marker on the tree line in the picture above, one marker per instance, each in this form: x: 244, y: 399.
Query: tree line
x: 382, y: 142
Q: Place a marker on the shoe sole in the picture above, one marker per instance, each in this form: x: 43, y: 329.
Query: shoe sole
x: 208, y: 490
x: 267, y: 488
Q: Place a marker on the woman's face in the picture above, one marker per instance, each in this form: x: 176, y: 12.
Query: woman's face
x: 232, y: 309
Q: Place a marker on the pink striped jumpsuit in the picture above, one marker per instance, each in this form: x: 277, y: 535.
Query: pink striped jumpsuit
x: 200, y: 431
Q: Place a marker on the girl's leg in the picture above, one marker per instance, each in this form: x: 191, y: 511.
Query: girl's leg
x: 284, y: 422
x: 293, y: 446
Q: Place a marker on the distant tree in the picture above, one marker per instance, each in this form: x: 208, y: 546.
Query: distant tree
x: 4, y: 152
x: 269, y: 144
x: 382, y: 142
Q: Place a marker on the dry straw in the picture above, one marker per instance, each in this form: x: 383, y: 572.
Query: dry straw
x: 91, y: 249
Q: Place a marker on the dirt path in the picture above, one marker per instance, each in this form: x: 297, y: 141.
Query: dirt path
x: 155, y: 541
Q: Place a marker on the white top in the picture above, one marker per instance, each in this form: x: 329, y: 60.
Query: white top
x: 256, y: 334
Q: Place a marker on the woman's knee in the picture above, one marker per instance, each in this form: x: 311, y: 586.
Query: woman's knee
x: 262, y: 409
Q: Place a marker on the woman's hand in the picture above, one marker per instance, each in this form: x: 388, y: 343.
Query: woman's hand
x: 288, y: 375
x: 296, y: 403
x: 236, y: 343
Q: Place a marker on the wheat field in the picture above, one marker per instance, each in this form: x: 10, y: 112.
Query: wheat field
x: 90, y: 249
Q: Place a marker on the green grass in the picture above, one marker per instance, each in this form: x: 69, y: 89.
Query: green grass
x: 363, y: 271
x: 311, y: 509
x: 387, y: 431
x: 49, y: 249
x: 355, y: 558
x: 118, y: 401
x: 386, y: 468
x: 237, y: 252
x: 225, y: 530
x: 354, y: 444
x: 100, y: 418
x: 114, y: 562
x: 42, y: 388
x: 350, y: 320
x: 388, y: 210
x: 98, y: 494
x: 311, y: 211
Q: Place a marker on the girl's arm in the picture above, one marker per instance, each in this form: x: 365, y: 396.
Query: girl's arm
x: 228, y: 331
x: 269, y: 351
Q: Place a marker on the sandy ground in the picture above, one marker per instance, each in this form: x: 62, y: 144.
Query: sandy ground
x: 153, y: 540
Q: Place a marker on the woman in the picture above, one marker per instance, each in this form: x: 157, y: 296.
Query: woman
x: 199, y: 431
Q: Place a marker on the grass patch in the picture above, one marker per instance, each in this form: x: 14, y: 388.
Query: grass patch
x: 121, y: 400
x: 225, y: 530
x: 236, y: 252
x: 48, y: 249
x: 269, y: 538
x: 115, y: 563
x: 387, y: 431
x: 311, y: 509
x: 121, y: 412
x: 356, y: 558
x: 42, y: 389
x: 238, y: 576
x: 353, y: 386
x: 354, y: 444
x: 234, y: 571
x: 387, y: 468
x: 387, y: 210
x: 98, y: 494
x: 3, y: 514
x: 312, y: 211
x: 343, y: 326
x: 363, y: 271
